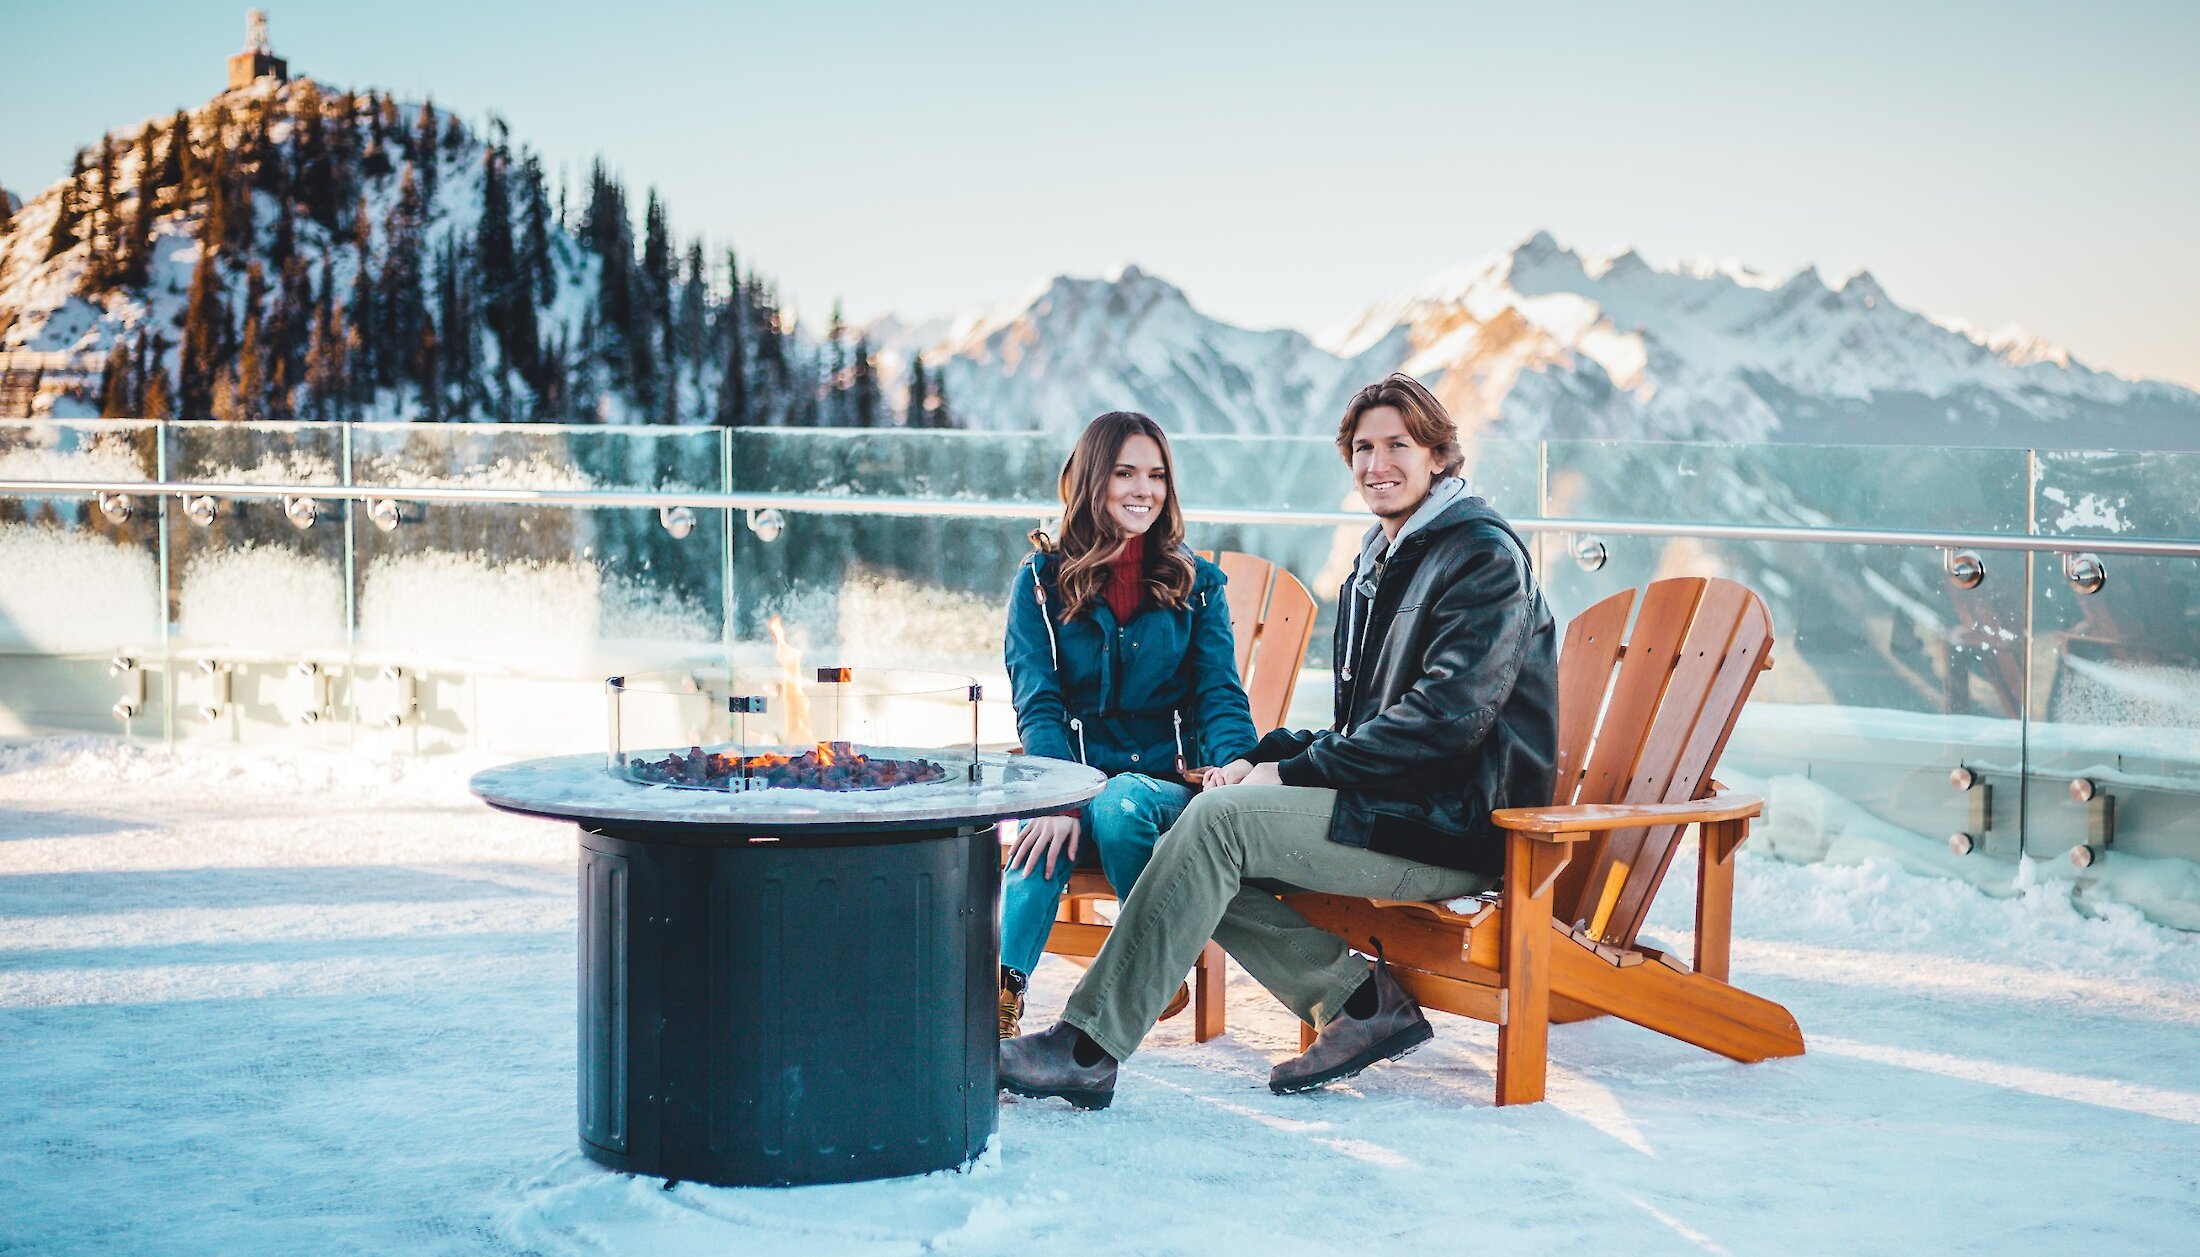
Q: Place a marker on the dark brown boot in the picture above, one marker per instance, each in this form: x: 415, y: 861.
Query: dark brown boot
x: 1350, y: 1044
x: 1045, y: 1064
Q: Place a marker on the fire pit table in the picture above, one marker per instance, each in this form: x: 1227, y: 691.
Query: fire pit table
x: 788, y: 943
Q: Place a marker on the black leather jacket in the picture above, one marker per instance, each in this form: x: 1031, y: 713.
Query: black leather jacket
x: 1450, y: 711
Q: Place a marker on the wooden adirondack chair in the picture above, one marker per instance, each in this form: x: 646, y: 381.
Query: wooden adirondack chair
x: 1272, y: 616
x: 1641, y: 725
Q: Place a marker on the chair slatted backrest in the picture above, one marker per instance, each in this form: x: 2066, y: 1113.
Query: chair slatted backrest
x: 1272, y: 617
x: 1649, y: 730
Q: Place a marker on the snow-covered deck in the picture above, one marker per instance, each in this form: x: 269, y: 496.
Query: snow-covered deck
x: 291, y: 1002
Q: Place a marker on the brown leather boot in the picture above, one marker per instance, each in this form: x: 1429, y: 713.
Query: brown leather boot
x: 1013, y: 985
x: 1349, y: 1044
x: 1045, y: 1064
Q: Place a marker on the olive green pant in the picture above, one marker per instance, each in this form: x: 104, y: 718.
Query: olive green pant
x: 1196, y: 888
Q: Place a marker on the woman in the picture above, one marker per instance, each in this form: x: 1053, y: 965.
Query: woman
x: 1119, y: 656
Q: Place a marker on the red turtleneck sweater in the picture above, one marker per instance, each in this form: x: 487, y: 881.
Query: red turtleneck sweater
x: 1127, y: 579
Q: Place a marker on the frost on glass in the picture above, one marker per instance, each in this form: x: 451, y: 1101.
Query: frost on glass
x: 75, y: 589
x: 2115, y: 694
x: 105, y: 450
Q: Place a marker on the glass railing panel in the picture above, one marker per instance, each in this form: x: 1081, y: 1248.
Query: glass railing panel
x: 1835, y: 486
x: 217, y: 452
x: 966, y: 466
x: 2115, y: 693
x: 493, y: 625
x: 536, y: 456
x: 260, y: 633
x: 1887, y: 674
x: 79, y: 449
x: 81, y: 647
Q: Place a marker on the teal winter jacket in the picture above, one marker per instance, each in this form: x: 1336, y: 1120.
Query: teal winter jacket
x: 1126, y: 698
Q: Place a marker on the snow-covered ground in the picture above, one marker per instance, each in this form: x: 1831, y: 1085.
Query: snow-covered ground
x: 301, y: 1003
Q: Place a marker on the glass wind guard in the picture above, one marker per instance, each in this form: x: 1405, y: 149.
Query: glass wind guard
x: 2115, y: 683
x: 536, y: 456
x: 833, y: 728
x: 1887, y: 673
x: 79, y: 449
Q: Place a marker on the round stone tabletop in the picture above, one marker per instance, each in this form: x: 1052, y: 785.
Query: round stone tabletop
x: 581, y: 788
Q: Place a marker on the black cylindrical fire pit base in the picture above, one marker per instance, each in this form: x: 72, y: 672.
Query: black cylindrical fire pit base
x: 818, y: 1010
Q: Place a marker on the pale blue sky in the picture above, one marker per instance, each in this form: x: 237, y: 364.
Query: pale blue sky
x: 1287, y: 163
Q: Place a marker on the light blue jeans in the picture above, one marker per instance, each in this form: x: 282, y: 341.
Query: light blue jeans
x: 1123, y: 822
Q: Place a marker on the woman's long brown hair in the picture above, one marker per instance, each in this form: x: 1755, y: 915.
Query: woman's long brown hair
x: 1090, y: 538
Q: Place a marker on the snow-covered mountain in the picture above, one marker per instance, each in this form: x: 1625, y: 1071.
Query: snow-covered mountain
x: 292, y: 251
x: 1056, y: 356
x: 1539, y: 340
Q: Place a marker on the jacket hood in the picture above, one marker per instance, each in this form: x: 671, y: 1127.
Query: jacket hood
x: 1444, y: 499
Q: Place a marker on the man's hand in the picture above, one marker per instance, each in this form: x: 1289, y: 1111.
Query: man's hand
x: 1262, y: 775
x: 1228, y: 775
x: 1051, y: 836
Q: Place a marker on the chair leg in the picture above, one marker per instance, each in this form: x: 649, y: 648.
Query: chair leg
x: 1208, y: 980
x: 1715, y: 847
x: 1524, y: 968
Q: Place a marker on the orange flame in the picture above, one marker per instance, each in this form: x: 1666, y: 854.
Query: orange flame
x: 792, y: 701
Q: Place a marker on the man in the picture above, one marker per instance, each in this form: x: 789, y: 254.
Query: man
x: 1446, y: 708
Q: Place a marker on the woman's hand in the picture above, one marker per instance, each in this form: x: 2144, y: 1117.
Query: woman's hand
x: 1051, y: 836
x: 1228, y: 775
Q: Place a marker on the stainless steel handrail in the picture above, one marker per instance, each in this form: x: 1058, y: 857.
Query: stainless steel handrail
x: 868, y: 504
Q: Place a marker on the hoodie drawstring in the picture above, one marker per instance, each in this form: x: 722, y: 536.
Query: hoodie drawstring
x: 1054, y: 653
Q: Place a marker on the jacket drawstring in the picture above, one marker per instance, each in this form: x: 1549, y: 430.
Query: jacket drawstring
x: 1351, y: 624
x: 1181, y: 764
x: 1054, y: 651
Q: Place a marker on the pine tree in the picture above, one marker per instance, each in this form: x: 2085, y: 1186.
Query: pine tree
x: 504, y: 292
x: 215, y: 139
x: 941, y: 416
x: 289, y: 325
x: 552, y: 383
x: 251, y: 395
x: 177, y: 161
x: 863, y: 386
x: 361, y: 351
x: 400, y: 298
x: 691, y: 317
x: 205, y: 328
x: 652, y: 392
x: 328, y: 383
x: 264, y: 161
x: 454, y: 135
x: 137, y: 251
x: 459, y: 344
x: 733, y: 386
x: 836, y: 411
x: 69, y: 212
x: 7, y: 212
x: 534, y: 249
x: 115, y: 400
x: 913, y: 413
x: 104, y: 269
x: 160, y: 402
x: 313, y: 181
x: 423, y: 151
x: 375, y: 161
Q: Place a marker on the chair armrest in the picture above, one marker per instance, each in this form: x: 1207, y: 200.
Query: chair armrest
x: 1575, y: 821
